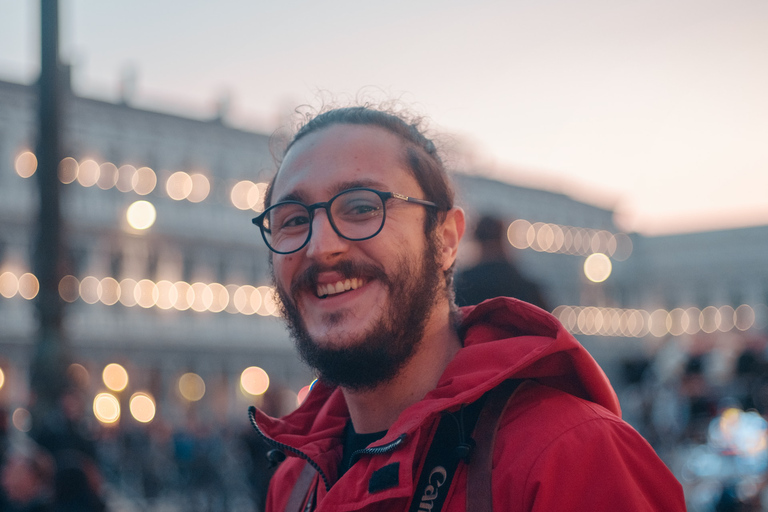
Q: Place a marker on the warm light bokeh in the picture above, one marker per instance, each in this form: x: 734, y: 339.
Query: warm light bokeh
x: 597, y: 267
x: 192, y: 387
x: 115, y: 377
x: 141, y: 215
x: 254, y: 381
x: 142, y: 407
x: 26, y: 164
x: 106, y: 408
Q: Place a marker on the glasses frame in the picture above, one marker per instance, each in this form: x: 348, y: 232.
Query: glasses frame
x: 326, y: 205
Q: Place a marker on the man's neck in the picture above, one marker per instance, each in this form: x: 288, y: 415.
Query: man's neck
x: 377, y: 409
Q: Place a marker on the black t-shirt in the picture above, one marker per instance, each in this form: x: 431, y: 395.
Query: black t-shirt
x: 353, y: 442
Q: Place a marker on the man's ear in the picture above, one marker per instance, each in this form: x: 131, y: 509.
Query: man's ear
x: 450, y: 232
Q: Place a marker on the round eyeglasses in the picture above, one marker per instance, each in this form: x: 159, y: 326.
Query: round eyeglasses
x: 354, y: 214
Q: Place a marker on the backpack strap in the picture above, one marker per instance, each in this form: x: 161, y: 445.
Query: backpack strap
x: 300, y: 491
x: 479, y: 489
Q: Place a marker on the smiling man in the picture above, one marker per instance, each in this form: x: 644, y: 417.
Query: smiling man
x: 364, y: 233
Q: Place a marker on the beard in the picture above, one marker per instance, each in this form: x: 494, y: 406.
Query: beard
x: 376, y: 356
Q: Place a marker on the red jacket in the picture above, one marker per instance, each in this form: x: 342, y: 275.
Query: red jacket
x: 561, y: 445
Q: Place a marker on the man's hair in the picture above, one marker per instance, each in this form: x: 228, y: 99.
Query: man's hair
x: 421, y: 156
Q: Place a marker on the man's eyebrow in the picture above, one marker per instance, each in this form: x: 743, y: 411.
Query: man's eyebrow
x: 364, y: 183
x: 337, y: 187
x: 293, y: 196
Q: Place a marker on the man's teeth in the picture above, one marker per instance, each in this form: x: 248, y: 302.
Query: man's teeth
x: 338, y: 287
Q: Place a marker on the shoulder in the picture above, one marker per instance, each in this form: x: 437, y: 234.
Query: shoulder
x: 561, y: 452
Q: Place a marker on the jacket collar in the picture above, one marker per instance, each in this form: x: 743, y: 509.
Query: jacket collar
x: 503, y: 338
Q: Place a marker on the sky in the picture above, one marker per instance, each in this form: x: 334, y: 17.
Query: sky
x: 657, y: 109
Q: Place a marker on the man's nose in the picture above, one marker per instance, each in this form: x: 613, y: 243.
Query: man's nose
x: 325, y: 242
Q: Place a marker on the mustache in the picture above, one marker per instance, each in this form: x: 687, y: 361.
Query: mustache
x: 348, y: 269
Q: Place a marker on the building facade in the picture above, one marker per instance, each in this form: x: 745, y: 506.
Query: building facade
x: 167, y: 276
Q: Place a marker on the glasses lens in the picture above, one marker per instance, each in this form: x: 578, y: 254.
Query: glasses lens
x: 286, y: 226
x: 358, y: 214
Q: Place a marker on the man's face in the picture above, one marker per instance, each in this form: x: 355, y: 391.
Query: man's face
x: 362, y: 336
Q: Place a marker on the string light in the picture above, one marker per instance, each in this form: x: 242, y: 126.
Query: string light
x: 638, y: 323
x: 555, y: 238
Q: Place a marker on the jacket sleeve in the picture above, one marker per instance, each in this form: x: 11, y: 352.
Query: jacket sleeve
x: 600, y: 465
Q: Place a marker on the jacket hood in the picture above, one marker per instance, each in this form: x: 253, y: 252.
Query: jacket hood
x: 503, y: 339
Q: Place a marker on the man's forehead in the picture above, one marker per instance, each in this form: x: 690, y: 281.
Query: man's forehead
x: 340, y: 157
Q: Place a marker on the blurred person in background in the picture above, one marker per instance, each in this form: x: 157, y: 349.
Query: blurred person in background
x: 27, y: 479
x: 363, y: 233
x: 495, y: 275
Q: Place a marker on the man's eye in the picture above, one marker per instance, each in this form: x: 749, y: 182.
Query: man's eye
x: 362, y: 209
x: 358, y: 209
x: 295, y: 221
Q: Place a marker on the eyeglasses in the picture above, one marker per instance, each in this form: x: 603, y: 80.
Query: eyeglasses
x: 355, y: 214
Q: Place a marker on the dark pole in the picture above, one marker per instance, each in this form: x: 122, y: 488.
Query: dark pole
x: 49, y: 364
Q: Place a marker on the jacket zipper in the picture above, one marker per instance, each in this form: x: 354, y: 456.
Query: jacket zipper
x: 376, y: 450
x: 285, y: 447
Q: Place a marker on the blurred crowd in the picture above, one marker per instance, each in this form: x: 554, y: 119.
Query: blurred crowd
x: 702, y: 403
x: 75, y: 464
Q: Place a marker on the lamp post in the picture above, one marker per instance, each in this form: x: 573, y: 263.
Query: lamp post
x: 48, y: 371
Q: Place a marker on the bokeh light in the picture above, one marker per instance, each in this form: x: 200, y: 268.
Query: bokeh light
x: 709, y: 319
x: 28, y: 286
x: 744, y: 317
x: 68, y: 170
x: 269, y: 304
x: 125, y: 178
x: 192, y: 387
x: 247, y: 299
x: 302, y: 395
x: 109, y: 291
x: 9, y: 284
x: 78, y: 374
x: 597, y: 267
x: 128, y: 292
x: 143, y: 181
x: 726, y: 318
x: 246, y: 195
x: 22, y: 419
x: 141, y: 215
x: 167, y: 294
x: 26, y: 164
x: 142, y: 407
x: 89, y: 289
x: 106, y: 408
x: 203, y: 297
x: 115, y: 377
x: 69, y: 288
x: 184, y: 296
x: 108, y: 175
x: 693, y: 320
x: 254, y: 381
x: 178, y: 186
x: 88, y: 173
x: 201, y: 187
x: 146, y: 293
x: 219, y: 297
x: 2, y: 378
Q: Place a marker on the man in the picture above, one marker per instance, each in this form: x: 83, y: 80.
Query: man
x: 494, y: 275
x: 364, y: 233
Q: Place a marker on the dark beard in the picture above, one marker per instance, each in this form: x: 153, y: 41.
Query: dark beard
x: 379, y: 354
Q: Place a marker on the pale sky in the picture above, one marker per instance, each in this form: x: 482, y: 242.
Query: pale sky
x: 657, y: 108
